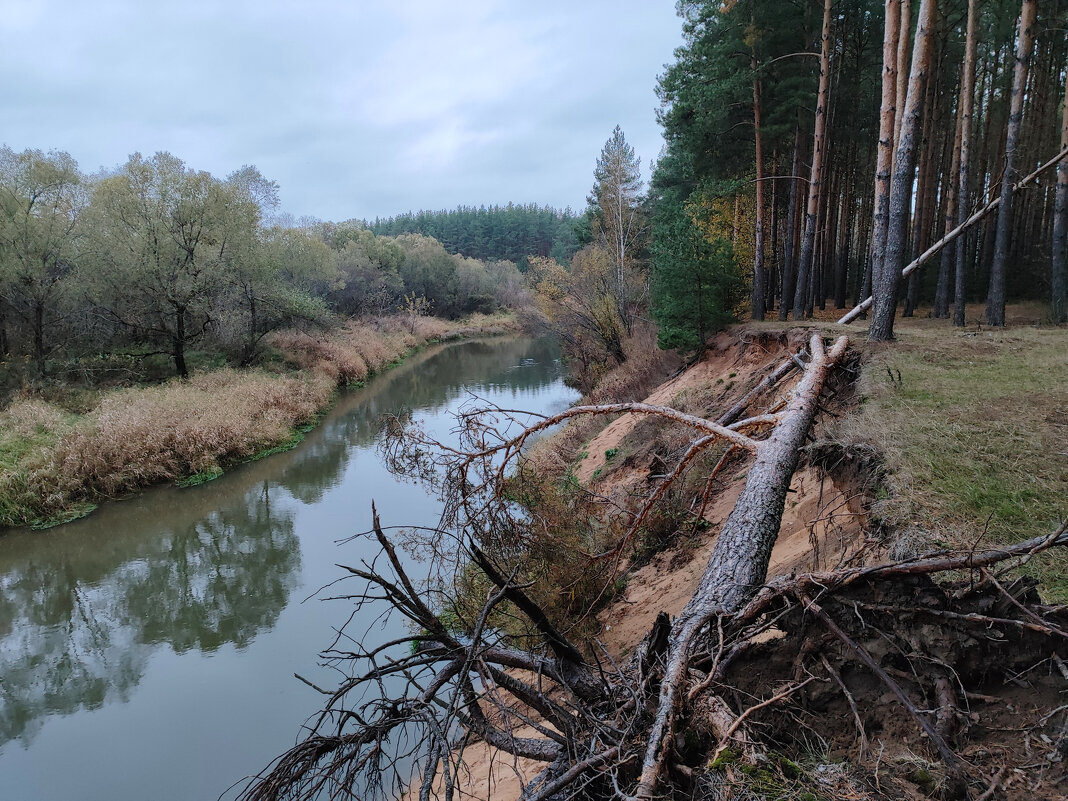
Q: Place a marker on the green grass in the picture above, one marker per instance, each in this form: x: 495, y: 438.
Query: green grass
x: 973, y: 429
x: 203, y: 477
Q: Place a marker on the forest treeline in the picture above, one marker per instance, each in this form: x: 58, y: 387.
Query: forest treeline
x: 158, y: 259
x: 513, y: 232
x: 824, y: 139
x: 813, y: 152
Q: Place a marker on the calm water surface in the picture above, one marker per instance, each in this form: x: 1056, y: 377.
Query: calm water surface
x: 148, y: 651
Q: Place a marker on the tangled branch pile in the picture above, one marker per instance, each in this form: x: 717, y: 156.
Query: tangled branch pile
x: 716, y: 703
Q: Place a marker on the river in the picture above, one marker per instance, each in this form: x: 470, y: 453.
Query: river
x: 148, y: 651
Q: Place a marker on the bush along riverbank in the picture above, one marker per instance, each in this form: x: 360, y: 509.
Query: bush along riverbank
x: 59, y: 459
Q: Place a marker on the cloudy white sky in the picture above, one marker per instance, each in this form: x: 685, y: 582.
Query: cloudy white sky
x: 357, y: 109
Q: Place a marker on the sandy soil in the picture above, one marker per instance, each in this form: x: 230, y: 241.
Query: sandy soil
x: 823, y: 524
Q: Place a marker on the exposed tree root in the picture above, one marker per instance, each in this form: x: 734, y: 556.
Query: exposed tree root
x: 718, y: 702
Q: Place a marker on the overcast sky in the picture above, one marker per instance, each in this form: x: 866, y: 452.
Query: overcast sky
x: 357, y: 109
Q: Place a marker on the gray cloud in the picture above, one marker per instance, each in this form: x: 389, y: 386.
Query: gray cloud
x: 356, y: 109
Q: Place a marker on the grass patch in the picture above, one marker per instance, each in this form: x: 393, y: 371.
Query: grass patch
x: 65, y: 448
x: 973, y: 428
x: 203, y: 477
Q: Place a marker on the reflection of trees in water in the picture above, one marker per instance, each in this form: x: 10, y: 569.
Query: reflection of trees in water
x: 70, y: 643
x: 429, y: 381
x: 81, y: 609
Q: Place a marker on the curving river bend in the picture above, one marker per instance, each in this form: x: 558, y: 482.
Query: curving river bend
x: 148, y: 651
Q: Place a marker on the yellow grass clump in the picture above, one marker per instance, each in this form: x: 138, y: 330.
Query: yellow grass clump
x: 54, y: 464
x: 147, y: 435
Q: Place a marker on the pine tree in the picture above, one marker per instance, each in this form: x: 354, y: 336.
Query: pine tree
x: 615, y: 205
x: 695, y: 281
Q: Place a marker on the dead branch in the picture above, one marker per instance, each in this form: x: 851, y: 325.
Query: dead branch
x: 793, y: 688
x: 952, y: 761
x: 738, y: 564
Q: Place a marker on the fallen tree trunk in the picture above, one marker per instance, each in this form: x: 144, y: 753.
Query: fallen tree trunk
x: 606, y: 731
x: 738, y: 565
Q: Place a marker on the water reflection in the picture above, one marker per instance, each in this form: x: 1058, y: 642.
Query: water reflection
x: 79, y: 624
x: 153, y: 644
x: 430, y: 380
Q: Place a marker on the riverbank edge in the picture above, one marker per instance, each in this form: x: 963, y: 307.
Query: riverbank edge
x: 346, y: 358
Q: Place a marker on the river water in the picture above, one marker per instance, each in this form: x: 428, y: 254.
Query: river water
x: 148, y: 651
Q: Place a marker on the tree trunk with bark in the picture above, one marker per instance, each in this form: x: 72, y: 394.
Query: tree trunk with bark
x: 808, y: 243
x: 885, y: 155
x: 885, y: 289
x: 967, y: 99
x: 738, y: 565
x: 758, y: 253
x: 1025, y: 43
x: 945, y: 267
x: 1059, y: 251
x: 789, y: 269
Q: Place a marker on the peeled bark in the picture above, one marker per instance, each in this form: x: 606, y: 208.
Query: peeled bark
x: 738, y: 565
x: 808, y: 243
x: 885, y: 288
x: 1025, y: 45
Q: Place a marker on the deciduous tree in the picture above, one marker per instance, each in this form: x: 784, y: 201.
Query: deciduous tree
x: 42, y: 200
x: 166, y: 238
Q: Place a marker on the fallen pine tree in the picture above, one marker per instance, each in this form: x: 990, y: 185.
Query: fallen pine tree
x: 711, y: 702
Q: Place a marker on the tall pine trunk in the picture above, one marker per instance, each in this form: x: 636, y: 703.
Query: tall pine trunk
x: 885, y: 287
x: 1025, y: 44
x: 885, y: 154
x: 789, y: 272
x: 945, y: 266
x: 1059, y: 254
x: 902, y: 69
x: 925, y: 178
x: 758, y: 252
x: 808, y: 243
x: 845, y: 236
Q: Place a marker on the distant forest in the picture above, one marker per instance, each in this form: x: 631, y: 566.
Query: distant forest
x: 494, y: 233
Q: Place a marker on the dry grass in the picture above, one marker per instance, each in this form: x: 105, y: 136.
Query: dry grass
x: 55, y: 465
x: 137, y: 437
x: 360, y: 348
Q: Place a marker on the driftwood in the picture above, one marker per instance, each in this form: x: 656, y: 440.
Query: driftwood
x: 604, y: 730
